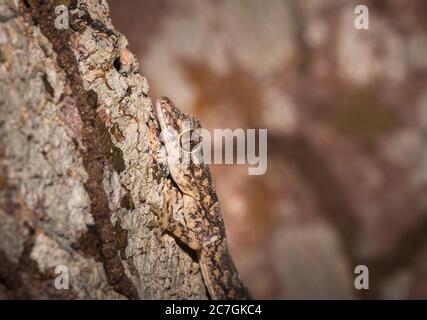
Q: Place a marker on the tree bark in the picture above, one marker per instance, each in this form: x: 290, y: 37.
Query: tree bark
x: 79, y: 187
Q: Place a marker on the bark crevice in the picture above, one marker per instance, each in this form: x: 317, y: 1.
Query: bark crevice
x: 92, y: 153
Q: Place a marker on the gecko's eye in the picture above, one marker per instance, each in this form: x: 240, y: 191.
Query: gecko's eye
x: 190, y: 140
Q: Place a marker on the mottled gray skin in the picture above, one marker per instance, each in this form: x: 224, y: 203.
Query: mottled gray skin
x: 203, y: 228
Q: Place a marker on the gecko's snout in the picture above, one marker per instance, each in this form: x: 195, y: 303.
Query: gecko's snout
x: 164, y: 99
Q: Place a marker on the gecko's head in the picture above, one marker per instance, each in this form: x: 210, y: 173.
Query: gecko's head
x: 171, y: 117
x: 181, y: 134
x: 179, y: 130
x: 182, y: 137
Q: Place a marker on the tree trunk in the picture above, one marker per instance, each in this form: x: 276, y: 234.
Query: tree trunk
x: 80, y: 192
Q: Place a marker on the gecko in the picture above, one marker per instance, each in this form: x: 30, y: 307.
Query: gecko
x: 203, y: 228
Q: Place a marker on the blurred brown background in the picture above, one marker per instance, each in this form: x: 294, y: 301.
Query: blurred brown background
x: 346, y: 112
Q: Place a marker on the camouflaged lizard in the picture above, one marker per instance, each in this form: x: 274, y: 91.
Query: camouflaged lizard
x: 202, y: 228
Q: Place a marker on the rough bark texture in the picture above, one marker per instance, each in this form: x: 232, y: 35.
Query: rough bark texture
x: 78, y: 183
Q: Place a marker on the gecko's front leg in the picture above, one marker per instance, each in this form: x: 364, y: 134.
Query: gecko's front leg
x: 185, y: 231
